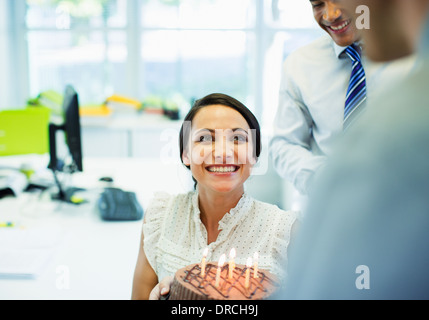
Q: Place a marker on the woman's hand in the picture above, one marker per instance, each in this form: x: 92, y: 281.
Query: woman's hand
x: 161, y: 289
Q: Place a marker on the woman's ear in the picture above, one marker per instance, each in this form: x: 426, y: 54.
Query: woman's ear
x: 253, y: 160
x: 185, y: 158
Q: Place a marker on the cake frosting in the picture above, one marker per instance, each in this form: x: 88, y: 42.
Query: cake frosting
x: 190, y: 284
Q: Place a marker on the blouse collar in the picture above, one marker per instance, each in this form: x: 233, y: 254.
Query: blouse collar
x: 231, y: 219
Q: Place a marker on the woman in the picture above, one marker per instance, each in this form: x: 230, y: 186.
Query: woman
x: 220, y: 143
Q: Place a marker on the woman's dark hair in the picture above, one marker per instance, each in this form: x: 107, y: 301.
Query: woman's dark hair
x: 224, y: 100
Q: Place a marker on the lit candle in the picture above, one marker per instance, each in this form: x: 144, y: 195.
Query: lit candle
x: 203, y: 262
x: 255, y: 261
x: 247, y: 280
x: 219, y: 269
x: 231, y: 263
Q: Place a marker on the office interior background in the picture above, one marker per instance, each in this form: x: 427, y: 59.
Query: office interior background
x: 177, y: 50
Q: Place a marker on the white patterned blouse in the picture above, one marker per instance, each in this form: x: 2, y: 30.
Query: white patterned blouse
x: 175, y: 237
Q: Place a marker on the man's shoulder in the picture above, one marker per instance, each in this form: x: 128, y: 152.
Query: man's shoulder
x: 323, y: 42
x: 322, y: 46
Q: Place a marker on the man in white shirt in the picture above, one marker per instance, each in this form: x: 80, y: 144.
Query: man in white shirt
x: 312, y: 98
x: 365, y: 233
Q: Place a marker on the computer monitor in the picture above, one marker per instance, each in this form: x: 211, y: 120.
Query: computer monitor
x: 72, y: 132
x: 72, y: 126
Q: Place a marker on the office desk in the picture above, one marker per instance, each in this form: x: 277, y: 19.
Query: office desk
x: 94, y: 259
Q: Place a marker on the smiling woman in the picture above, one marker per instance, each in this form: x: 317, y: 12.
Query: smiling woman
x: 219, y: 143
x: 220, y: 137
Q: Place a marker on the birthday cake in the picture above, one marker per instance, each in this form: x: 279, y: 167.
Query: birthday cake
x: 191, y: 284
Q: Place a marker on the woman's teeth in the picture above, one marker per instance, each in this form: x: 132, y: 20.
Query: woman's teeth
x: 222, y: 169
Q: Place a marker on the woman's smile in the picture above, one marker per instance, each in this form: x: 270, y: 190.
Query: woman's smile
x: 222, y: 169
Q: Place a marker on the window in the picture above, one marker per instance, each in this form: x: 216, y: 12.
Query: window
x: 83, y: 43
x: 167, y: 48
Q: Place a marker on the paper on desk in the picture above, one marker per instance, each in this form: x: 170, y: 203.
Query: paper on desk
x: 24, y: 253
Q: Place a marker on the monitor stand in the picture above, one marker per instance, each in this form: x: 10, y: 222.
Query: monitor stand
x: 68, y: 194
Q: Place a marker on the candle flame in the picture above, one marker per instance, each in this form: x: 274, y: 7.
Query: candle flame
x: 232, y: 253
x: 206, y: 252
x: 222, y: 260
x: 249, y: 262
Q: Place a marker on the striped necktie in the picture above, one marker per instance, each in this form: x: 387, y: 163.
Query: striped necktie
x: 356, y: 93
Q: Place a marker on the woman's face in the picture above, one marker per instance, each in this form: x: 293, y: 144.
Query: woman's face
x: 220, y: 150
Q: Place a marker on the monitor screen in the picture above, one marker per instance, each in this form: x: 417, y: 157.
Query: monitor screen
x: 72, y: 126
x: 72, y: 132
x: 71, y: 129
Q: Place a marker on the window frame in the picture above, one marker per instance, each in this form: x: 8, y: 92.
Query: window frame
x: 19, y: 55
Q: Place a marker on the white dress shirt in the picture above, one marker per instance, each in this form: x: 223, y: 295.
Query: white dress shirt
x: 175, y: 237
x: 310, y: 114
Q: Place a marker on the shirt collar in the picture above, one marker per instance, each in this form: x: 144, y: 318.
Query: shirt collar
x: 339, y: 50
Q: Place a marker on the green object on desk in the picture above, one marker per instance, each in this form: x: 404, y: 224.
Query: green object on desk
x: 24, y: 131
x: 6, y: 224
x: 50, y: 99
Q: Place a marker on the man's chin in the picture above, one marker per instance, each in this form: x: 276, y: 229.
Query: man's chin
x: 343, y: 40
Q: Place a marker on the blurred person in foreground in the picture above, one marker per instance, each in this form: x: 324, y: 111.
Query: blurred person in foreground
x: 365, y: 233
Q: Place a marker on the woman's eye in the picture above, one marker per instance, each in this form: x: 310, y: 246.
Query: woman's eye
x: 240, y: 138
x: 205, y: 138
